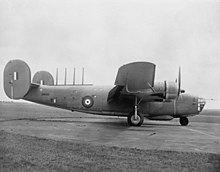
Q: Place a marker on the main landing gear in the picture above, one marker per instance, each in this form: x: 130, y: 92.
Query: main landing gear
x: 184, y: 121
x: 135, y: 118
x: 135, y: 121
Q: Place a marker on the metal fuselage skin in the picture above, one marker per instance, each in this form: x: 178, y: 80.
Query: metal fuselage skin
x: 71, y: 97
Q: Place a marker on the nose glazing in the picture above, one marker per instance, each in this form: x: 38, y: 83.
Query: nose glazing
x: 201, y: 104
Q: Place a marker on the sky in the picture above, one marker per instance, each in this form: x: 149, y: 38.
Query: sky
x: 102, y: 35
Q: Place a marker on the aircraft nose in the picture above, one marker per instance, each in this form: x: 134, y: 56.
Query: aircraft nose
x: 201, y: 104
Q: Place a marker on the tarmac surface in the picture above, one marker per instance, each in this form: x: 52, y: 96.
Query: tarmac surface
x: 113, y: 131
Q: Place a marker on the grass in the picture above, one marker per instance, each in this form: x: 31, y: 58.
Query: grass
x: 26, y: 153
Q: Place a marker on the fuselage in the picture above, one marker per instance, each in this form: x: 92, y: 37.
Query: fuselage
x: 71, y: 98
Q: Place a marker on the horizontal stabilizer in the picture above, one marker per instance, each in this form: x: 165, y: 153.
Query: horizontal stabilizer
x: 34, y: 85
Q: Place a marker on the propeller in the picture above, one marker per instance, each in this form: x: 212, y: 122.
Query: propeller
x: 179, y: 84
x: 179, y: 91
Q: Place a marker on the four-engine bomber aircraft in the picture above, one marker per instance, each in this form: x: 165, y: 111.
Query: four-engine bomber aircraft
x: 135, y: 94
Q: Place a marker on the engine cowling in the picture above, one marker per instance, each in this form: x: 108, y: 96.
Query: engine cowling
x: 171, y: 91
x: 168, y: 90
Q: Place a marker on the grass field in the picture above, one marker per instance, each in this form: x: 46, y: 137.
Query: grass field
x: 25, y: 153
x: 28, y: 153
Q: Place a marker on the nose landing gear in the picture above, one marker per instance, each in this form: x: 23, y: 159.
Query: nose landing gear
x: 184, y: 121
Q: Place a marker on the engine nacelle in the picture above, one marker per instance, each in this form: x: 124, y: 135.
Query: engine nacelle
x: 169, y: 90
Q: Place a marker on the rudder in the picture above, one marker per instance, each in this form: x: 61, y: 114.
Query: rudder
x: 17, y: 79
x: 43, y: 78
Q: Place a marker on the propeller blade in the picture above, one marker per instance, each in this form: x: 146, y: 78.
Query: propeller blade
x: 179, y: 82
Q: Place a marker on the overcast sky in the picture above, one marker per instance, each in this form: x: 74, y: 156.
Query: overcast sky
x: 103, y: 35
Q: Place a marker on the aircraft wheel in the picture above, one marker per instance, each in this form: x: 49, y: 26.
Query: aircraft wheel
x: 184, y: 121
x: 135, y: 122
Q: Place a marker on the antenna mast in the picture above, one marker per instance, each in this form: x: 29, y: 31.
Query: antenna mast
x: 57, y: 77
x: 83, y: 76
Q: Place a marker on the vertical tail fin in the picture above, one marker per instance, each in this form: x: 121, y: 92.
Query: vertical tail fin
x: 17, y: 79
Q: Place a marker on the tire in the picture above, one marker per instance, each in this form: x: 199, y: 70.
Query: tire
x: 184, y: 121
x: 133, y: 122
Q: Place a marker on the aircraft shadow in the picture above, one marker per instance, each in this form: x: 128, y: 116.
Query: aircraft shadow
x: 160, y: 124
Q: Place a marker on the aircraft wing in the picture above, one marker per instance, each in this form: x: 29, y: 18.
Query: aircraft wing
x: 132, y: 79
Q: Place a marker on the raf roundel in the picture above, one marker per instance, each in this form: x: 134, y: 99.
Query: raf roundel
x: 87, y: 101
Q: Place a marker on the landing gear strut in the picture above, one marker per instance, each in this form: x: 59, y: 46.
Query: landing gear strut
x: 135, y: 118
x: 184, y: 121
